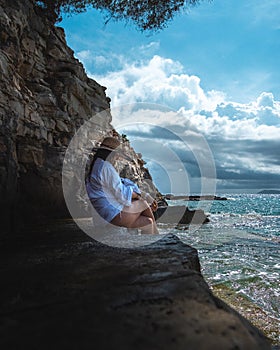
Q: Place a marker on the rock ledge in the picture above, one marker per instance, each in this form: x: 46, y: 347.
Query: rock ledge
x: 67, y: 291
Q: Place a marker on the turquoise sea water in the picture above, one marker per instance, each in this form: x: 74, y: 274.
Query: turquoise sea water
x: 240, y: 246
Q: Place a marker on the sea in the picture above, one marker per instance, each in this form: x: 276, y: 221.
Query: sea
x: 240, y: 246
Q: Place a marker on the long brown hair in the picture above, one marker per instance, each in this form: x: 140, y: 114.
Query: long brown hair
x: 100, y: 153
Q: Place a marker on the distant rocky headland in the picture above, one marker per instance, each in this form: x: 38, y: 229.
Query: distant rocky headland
x: 194, y: 198
x: 269, y: 192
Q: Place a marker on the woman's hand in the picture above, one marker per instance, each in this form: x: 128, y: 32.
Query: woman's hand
x: 151, y: 201
x: 135, y: 195
x: 154, y: 206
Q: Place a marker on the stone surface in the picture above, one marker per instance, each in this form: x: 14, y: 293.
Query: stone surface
x: 45, y: 96
x: 65, y: 291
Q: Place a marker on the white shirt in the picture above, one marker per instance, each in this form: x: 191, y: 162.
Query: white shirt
x: 107, y: 191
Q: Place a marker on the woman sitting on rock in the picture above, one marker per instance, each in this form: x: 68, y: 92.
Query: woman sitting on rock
x: 117, y: 200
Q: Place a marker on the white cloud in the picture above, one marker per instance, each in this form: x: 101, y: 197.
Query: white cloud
x: 265, y: 100
x: 225, y: 128
x: 163, y: 81
x: 265, y: 12
x: 159, y: 80
x: 88, y: 58
x: 84, y: 55
x: 149, y: 48
x: 235, y: 131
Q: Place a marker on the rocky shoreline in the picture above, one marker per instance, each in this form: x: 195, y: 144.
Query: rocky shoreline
x: 256, y: 315
x: 65, y: 290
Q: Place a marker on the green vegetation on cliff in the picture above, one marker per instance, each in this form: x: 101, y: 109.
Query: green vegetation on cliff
x: 145, y: 14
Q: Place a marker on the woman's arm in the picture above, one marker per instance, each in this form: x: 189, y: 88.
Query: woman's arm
x: 114, y: 187
x: 128, y: 182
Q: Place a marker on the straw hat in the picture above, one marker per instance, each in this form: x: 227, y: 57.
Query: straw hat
x: 110, y: 143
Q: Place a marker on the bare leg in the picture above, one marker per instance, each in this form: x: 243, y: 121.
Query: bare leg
x: 142, y: 205
x: 149, y: 213
x: 138, y: 215
x: 131, y: 220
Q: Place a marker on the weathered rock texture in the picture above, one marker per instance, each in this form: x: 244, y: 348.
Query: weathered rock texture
x: 181, y: 215
x: 45, y: 96
x: 60, y: 290
x: 64, y: 291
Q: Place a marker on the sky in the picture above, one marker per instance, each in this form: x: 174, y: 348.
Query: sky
x: 200, y: 99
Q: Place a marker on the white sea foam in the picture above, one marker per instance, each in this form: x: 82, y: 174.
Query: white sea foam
x: 240, y: 247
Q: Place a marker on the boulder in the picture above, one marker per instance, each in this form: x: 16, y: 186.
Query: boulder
x: 180, y: 215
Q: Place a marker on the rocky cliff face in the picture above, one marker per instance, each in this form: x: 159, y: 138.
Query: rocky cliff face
x: 45, y: 96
